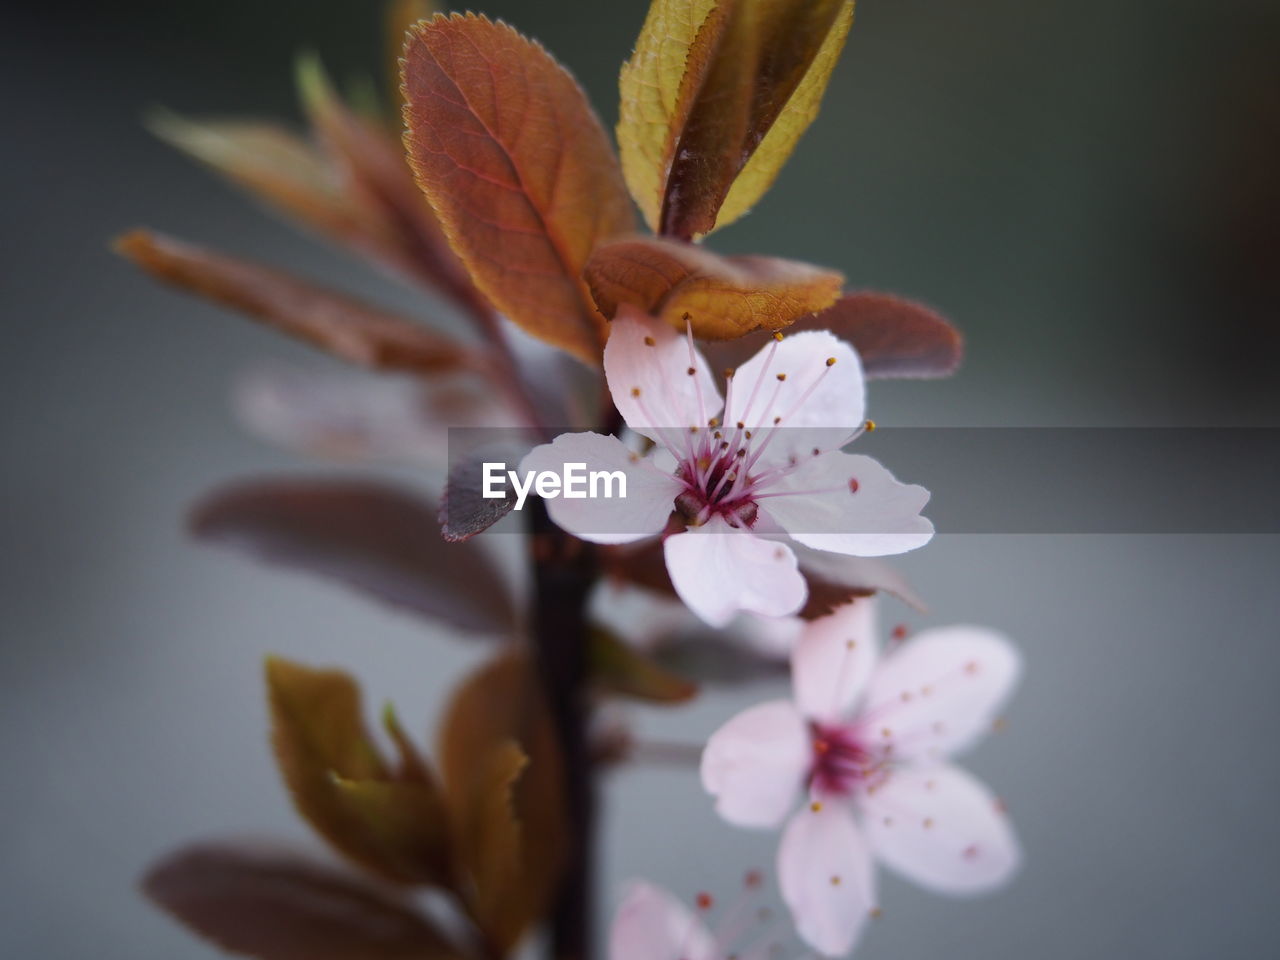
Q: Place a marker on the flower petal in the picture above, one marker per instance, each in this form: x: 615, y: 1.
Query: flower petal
x: 813, y: 392
x: 719, y: 570
x: 942, y: 690
x: 651, y: 924
x: 643, y: 512
x: 647, y: 366
x: 942, y: 829
x: 827, y: 879
x: 755, y: 764
x: 833, y: 660
x: 848, y: 503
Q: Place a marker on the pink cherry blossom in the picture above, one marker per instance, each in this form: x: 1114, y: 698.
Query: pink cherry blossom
x: 740, y: 472
x: 653, y: 924
x: 866, y: 741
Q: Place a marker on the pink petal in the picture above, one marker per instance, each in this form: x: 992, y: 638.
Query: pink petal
x: 718, y: 571
x: 755, y: 765
x: 828, y: 883
x: 942, y: 829
x: 647, y: 366
x: 813, y: 393
x: 643, y: 512
x: 942, y: 690
x: 850, y: 504
x: 651, y: 924
x: 832, y: 661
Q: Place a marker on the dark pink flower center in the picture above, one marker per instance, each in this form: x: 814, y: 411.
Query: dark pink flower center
x: 841, y: 762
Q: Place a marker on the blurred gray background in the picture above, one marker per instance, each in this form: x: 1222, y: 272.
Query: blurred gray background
x: 1088, y: 188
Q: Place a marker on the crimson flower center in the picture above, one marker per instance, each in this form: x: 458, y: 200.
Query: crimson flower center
x: 841, y: 762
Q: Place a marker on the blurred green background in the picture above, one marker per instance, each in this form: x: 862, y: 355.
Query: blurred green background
x: 1087, y: 188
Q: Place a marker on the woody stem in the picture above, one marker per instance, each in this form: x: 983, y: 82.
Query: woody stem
x: 563, y: 572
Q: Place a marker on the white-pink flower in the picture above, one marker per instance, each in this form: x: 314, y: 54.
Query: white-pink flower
x: 866, y: 741
x: 652, y: 924
x: 739, y: 472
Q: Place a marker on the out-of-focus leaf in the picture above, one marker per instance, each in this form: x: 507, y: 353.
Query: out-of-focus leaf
x: 715, y: 658
x: 412, y: 768
x: 375, y: 177
x: 650, y: 86
x: 464, y: 511
x: 278, y: 905
x: 398, y: 17
x: 354, y: 331
x: 894, y: 337
x: 722, y: 297
x: 398, y: 829
x: 376, y: 538
x: 406, y: 823
x: 835, y: 579
x: 622, y: 670
x: 518, y: 170
x: 496, y: 707
x: 751, y: 75
x: 280, y: 168
x: 358, y: 416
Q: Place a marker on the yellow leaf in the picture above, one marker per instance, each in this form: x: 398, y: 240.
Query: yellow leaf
x: 650, y: 87
x: 752, y: 73
x: 720, y: 297
x: 799, y: 112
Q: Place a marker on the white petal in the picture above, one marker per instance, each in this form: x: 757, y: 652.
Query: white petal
x: 643, y: 512
x: 813, y: 393
x: 718, y: 571
x: 827, y: 879
x: 941, y: 828
x: 850, y: 504
x: 941, y: 691
x: 832, y: 661
x: 755, y: 765
x: 651, y: 924
x: 647, y: 365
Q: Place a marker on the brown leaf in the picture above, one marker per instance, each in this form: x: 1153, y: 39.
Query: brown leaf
x: 894, y: 337
x: 751, y: 76
x: 398, y: 829
x: 376, y: 538
x: 286, y: 172
x: 464, y: 511
x: 278, y: 905
x: 338, y: 324
x: 722, y: 297
x: 398, y: 18
x: 518, y: 170
x: 622, y: 670
x: 370, y: 165
x: 497, y: 707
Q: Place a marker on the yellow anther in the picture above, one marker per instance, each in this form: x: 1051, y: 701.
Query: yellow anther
x: 778, y: 336
x: 831, y: 361
x: 869, y: 426
x: 635, y: 391
x: 650, y: 342
x: 781, y: 377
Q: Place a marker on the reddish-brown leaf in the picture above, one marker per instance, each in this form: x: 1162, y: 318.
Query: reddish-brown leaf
x: 354, y: 331
x: 376, y: 538
x: 894, y: 337
x: 496, y: 722
x: 722, y: 297
x: 520, y: 173
x: 371, y: 168
x: 274, y: 904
